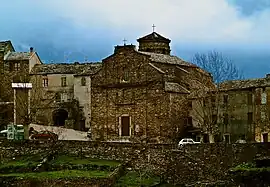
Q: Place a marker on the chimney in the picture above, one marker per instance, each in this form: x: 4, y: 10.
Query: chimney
x: 31, y: 49
x: 124, y: 48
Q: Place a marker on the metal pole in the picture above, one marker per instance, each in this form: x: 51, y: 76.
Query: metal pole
x: 14, y: 106
x: 6, y: 103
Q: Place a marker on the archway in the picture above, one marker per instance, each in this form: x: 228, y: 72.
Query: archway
x: 59, y: 117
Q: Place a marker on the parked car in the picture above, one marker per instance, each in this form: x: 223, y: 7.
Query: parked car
x: 186, y: 141
x: 3, y: 133
x: 241, y: 141
x: 16, y: 130
x: 44, y: 135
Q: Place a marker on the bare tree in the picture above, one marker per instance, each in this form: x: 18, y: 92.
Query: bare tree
x: 221, y: 67
x: 28, y: 102
x: 207, y: 110
x: 6, y: 102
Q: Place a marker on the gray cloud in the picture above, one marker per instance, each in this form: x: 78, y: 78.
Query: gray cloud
x: 91, y: 28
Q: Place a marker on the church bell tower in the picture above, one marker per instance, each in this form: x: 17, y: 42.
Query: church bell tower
x: 154, y: 43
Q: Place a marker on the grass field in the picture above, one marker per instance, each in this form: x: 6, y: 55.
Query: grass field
x: 9, y: 167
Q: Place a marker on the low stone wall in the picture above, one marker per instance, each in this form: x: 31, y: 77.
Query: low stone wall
x: 200, y: 162
x: 98, y: 182
x: 211, y: 162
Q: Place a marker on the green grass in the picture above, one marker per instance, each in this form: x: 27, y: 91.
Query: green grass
x: 19, y: 163
x: 252, y: 169
x: 23, y: 161
x: 64, y: 174
x: 249, y: 167
x: 11, y: 166
x: 133, y: 179
x: 64, y: 159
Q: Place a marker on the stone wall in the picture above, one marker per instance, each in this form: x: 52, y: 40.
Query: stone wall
x: 82, y: 92
x: 202, y: 162
x: 140, y: 97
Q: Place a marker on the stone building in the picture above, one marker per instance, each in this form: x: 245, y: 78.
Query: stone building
x: 61, y: 93
x: 245, y: 109
x: 65, y: 94
x: 15, y: 68
x: 141, y: 95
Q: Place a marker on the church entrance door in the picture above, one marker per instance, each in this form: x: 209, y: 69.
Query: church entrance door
x: 125, y: 126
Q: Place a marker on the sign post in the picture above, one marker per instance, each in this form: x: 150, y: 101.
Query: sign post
x: 17, y: 86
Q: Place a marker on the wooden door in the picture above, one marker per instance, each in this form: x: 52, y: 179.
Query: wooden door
x: 125, y: 126
x: 265, y: 137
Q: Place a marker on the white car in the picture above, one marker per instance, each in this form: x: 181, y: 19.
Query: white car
x: 4, y: 133
x: 186, y: 141
x: 241, y: 141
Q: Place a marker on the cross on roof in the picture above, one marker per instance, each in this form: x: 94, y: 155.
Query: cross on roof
x: 153, y: 27
x: 124, y: 41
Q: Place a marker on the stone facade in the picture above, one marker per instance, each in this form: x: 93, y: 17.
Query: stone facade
x: 154, y: 43
x: 15, y: 68
x: 234, y: 110
x: 58, y: 96
x: 142, y: 95
x: 248, y: 109
x: 177, y: 166
x: 66, y: 90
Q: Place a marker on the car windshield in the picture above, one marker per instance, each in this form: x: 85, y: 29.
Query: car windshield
x: 44, y: 132
x: 19, y: 127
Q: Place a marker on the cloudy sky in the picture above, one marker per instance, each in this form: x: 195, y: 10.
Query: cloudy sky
x: 80, y: 29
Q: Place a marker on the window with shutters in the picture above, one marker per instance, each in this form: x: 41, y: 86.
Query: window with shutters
x: 250, y: 117
x: 57, y: 97
x: 45, y: 82
x: 226, y: 119
x: 63, y: 81
x: 17, y: 66
x: 225, y: 99
x: 83, y: 81
x: 249, y: 98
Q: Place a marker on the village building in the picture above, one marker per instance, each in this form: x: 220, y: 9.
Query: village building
x: 142, y: 94
x: 60, y: 94
x: 245, y: 110
x: 135, y: 94
x: 15, y: 68
x: 64, y: 90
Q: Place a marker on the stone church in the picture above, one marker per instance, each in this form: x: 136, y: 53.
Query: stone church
x: 134, y: 94
x: 142, y: 94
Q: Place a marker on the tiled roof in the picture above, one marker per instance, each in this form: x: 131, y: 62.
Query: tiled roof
x: 175, y: 87
x: 154, y: 36
x: 244, y: 84
x: 158, y: 69
x: 18, y: 56
x: 66, y: 68
x: 168, y: 59
x: 90, y: 69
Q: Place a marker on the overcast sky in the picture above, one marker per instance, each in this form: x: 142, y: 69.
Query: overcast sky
x: 238, y: 28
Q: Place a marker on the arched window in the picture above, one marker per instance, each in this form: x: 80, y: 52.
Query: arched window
x: 83, y: 81
x: 58, y: 97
